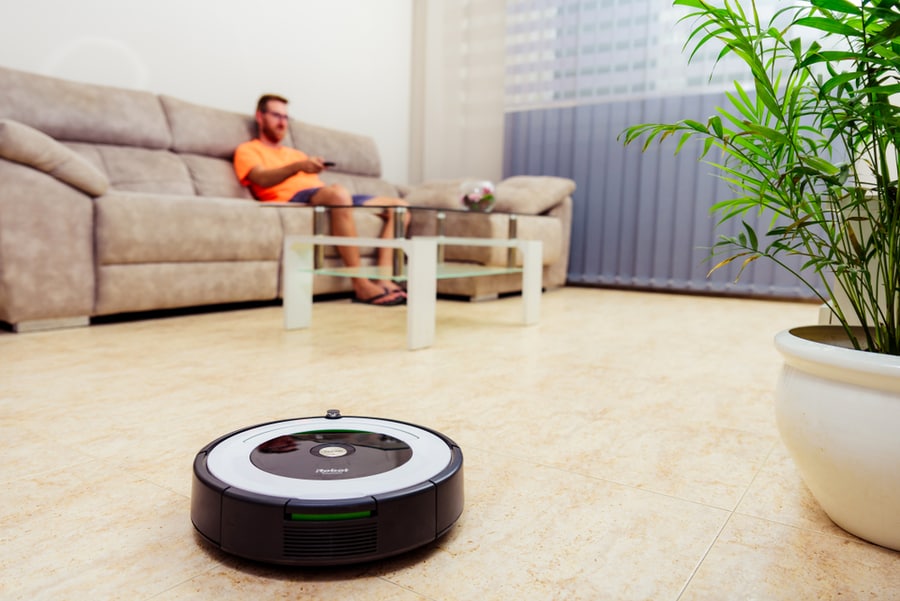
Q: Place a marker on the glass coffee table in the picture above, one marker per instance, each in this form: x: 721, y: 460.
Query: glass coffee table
x: 420, y: 271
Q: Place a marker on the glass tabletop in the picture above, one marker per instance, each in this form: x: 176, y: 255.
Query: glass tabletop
x: 445, y: 271
x: 460, y: 209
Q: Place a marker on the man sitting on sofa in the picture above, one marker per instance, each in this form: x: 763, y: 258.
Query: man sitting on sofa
x: 277, y: 173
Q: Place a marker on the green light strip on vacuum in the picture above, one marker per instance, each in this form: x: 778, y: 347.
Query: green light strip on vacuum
x: 325, y: 517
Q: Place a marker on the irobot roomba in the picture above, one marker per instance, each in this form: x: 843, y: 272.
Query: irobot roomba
x: 326, y: 490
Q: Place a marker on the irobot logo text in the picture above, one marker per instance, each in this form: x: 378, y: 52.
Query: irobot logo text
x: 332, y: 471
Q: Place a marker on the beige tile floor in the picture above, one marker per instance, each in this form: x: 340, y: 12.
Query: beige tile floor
x: 624, y: 448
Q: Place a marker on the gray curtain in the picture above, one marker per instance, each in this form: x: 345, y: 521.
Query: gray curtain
x: 640, y: 219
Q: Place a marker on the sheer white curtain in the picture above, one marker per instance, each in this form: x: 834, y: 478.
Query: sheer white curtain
x: 459, y: 50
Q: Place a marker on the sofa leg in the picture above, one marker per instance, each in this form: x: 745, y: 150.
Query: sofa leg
x: 40, y: 325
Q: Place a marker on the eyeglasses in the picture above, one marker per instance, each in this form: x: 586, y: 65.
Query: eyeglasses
x: 279, y: 116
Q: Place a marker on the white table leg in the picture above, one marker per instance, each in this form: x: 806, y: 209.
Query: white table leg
x: 297, y: 278
x: 532, y: 259
x: 421, y: 292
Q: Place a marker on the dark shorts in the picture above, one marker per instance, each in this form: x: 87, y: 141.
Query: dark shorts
x: 305, y: 196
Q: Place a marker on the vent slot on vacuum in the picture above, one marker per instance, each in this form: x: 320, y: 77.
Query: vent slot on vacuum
x: 326, y: 540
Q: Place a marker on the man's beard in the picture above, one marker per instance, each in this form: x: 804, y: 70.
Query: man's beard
x: 272, y: 134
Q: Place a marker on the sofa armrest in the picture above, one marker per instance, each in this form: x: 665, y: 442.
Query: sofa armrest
x: 522, y: 194
x: 28, y: 146
x: 46, y: 247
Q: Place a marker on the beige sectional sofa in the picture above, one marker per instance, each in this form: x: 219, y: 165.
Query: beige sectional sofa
x: 118, y: 201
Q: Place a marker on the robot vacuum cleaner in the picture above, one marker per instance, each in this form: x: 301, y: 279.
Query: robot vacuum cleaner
x: 326, y: 490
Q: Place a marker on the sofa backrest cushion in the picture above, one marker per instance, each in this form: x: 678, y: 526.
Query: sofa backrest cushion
x: 214, y: 177
x: 353, y: 153
x: 207, y: 131
x: 80, y: 112
x: 139, y: 169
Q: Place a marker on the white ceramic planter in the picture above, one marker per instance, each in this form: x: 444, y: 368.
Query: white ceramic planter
x: 838, y: 413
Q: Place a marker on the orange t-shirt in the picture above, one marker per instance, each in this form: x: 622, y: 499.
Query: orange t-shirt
x: 256, y: 154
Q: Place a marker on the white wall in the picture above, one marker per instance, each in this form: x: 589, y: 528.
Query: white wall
x: 343, y: 64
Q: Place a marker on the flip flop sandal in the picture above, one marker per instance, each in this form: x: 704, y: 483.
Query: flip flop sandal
x: 398, y: 300
x: 397, y: 290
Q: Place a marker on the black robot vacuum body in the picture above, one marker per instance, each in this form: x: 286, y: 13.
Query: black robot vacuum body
x: 326, y: 490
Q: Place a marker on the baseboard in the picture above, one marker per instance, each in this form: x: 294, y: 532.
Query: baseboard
x: 41, y: 325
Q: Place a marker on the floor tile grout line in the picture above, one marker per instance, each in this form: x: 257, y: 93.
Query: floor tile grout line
x: 703, y: 557
x: 384, y: 578
x: 725, y: 524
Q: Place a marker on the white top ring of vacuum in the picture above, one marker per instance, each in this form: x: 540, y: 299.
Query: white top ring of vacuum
x: 230, y: 461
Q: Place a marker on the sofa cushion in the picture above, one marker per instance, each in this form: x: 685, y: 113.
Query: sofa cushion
x: 139, y: 169
x: 28, y: 146
x: 439, y: 194
x: 214, y: 177
x: 81, y: 112
x: 532, y: 195
x: 207, y: 131
x: 152, y: 286
x: 150, y: 228
x: 353, y: 153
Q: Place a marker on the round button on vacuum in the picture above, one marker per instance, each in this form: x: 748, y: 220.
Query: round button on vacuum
x: 332, y: 450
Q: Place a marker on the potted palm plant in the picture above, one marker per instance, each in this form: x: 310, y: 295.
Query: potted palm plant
x: 812, y: 144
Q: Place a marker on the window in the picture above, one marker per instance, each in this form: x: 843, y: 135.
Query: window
x: 564, y: 52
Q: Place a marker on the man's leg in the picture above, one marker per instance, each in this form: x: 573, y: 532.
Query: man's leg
x: 342, y: 224
x: 385, y: 255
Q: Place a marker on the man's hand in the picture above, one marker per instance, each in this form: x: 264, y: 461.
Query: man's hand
x: 313, y: 165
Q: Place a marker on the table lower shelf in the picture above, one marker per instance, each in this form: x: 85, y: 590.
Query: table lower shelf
x: 422, y: 270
